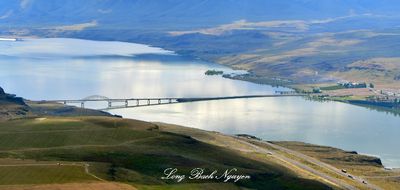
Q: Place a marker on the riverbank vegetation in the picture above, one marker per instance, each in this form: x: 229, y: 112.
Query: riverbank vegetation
x: 273, y: 81
x: 213, y: 72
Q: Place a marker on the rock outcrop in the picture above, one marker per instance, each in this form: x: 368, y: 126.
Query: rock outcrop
x: 11, y: 98
x: 12, y: 106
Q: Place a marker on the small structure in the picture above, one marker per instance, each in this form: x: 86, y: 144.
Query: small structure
x: 353, y: 84
x: 316, y: 90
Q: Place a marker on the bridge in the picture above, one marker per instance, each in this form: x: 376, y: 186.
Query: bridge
x: 120, y: 103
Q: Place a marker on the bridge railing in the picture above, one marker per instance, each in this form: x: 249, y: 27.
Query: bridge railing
x: 138, y: 102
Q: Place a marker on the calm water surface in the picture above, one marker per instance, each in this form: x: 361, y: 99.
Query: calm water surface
x: 67, y: 68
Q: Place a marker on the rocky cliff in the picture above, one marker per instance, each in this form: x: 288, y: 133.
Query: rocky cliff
x: 12, y: 106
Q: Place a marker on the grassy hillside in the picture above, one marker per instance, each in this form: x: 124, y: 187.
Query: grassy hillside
x: 368, y: 55
x: 13, y: 107
x: 361, y: 165
x: 126, y: 151
x: 17, y: 175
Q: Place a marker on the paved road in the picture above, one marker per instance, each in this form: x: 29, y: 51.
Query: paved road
x: 325, y: 177
x: 323, y: 164
x: 328, y: 167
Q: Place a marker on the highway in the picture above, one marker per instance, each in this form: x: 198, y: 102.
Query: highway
x: 335, y: 181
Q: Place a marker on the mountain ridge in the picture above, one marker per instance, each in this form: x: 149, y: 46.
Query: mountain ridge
x: 176, y: 14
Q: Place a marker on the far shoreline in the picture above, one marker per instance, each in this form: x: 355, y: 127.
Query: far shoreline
x: 273, y: 83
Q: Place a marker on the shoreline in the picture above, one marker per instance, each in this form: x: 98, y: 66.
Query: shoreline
x: 289, y: 84
x: 354, y: 152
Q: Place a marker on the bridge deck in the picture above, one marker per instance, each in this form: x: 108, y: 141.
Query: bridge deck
x: 161, y: 101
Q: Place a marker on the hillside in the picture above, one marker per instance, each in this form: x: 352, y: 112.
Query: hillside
x: 11, y: 106
x: 127, y: 151
x: 176, y: 14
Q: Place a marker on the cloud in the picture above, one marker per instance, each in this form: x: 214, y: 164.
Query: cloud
x: 351, y: 15
x: 24, y: 3
x: 76, y: 27
x: 104, y: 11
x: 6, y: 15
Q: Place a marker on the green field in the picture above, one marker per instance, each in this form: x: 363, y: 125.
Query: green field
x: 21, y: 134
x: 14, y: 175
x: 336, y: 87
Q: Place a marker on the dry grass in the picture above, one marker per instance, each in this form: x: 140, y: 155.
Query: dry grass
x: 350, y: 92
x: 353, y: 163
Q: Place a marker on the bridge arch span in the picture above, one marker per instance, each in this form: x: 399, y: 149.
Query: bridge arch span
x: 96, y: 97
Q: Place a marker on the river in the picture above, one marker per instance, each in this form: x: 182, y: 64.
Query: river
x: 40, y: 69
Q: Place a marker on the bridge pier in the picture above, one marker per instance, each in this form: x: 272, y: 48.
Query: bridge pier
x: 160, y: 101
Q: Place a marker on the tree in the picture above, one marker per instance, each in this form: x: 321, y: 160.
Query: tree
x: 317, y: 90
x: 112, y: 171
x: 371, y: 85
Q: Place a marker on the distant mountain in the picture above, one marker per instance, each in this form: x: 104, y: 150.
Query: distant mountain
x: 179, y: 14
